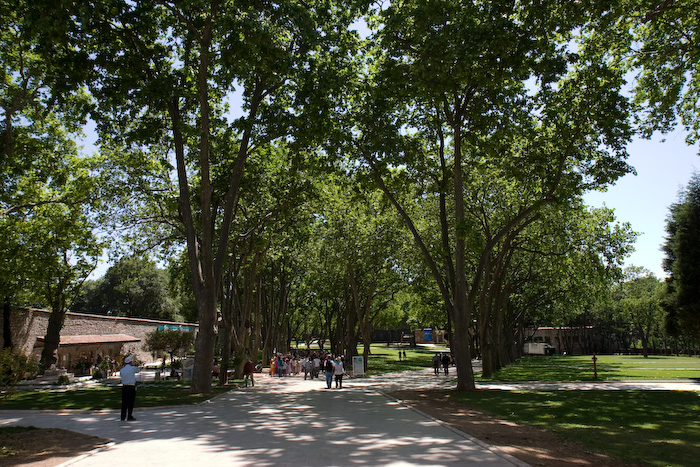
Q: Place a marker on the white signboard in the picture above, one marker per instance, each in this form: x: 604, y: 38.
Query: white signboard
x: 358, y: 365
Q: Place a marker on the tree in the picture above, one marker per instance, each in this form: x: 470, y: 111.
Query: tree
x: 664, y: 51
x: 132, y: 287
x: 639, y: 303
x: 164, y: 73
x: 362, y: 242
x: 447, y: 108
x: 68, y: 252
x: 556, y: 269
x: 682, y: 261
x: 171, y: 341
x: 48, y: 196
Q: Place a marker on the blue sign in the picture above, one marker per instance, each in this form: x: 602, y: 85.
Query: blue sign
x: 174, y: 327
x: 428, y: 334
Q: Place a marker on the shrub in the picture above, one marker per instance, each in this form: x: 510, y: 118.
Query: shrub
x: 14, y: 366
x: 64, y: 380
x: 82, y: 366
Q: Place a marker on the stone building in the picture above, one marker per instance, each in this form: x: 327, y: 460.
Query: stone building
x: 573, y: 340
x: 430, y: 336
x: 85, y: 335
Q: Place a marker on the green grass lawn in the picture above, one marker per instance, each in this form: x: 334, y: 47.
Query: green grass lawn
x: 610, y: 367
x: 385, y: 359
x: 106, y: 397
x: 657, y: 428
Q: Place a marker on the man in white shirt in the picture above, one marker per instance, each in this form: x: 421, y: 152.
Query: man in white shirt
x: 128, y: 375
x: 316, y: 368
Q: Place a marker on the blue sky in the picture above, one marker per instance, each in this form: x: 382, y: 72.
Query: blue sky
x: 663, y: 169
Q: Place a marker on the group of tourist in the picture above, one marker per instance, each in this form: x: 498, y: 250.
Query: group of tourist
x: 443, y: 360
x: 312, y: 366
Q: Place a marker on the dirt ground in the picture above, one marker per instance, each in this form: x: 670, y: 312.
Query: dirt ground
x: 44, y: 447
x: 49, y: 448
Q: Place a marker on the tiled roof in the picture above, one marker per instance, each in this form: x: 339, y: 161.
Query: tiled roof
x: 105, y: 339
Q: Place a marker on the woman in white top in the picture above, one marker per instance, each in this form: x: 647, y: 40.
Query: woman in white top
x: 338, y: 371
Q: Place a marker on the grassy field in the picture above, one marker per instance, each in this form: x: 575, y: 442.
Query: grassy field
x: 610, y: 367
x: 385, y: 359
x: 656, y: 428
x: 106, y: 397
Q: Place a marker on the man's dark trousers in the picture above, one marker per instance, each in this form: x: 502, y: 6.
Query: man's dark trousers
x: 128, y: 400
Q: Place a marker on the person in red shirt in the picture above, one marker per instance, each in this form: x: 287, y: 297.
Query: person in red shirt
x: 248, y: 370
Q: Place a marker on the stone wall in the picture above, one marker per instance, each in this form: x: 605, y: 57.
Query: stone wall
x: 30, y: 324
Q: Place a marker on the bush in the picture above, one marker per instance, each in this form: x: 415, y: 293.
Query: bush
x: 14, y: 367
x: 82, y: 367
x: 63, y: 380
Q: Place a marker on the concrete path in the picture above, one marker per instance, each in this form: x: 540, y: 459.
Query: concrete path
x: 280, y: 422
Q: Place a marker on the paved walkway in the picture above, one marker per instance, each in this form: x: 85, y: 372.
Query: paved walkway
x: 280, y: 422
x: 292, y: 422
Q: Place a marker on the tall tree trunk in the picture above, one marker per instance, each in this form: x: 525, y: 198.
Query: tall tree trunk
x: 225, y: 331
x: 6, y: 323
x: 462, y: 312
x: 53, y: 335
x: 363, y: 312
x: 207, y: 247
x: 257, y: 336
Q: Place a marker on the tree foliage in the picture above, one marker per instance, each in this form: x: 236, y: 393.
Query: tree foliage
x: 14, y: 367
x: 48, y: 193
x: 496, y: 120
x: 174, y: 342
x: 132, y: 287
x: 638, y: 301
x: 682, y: 262
x: 162, y: 73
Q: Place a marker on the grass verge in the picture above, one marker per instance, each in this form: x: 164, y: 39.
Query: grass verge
x: 385, y: 359
x: 106, y: 397
x: 610, y: 368
x: 656, y: 428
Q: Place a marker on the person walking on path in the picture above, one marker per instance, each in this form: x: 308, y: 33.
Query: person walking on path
x: 128, y: 376
x: 306, y: 367
x: 248, y: 370
x: 316, y: 368
x: 328, y: 368
x: 338, y: 371
x: 436, y: 363
x: 446, y: 363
